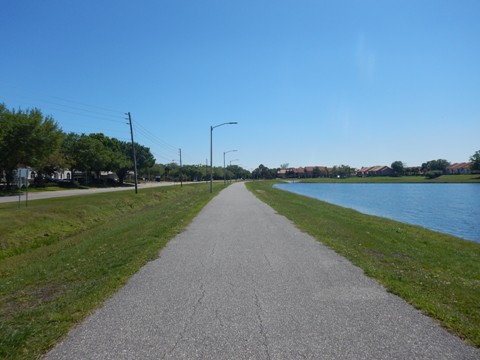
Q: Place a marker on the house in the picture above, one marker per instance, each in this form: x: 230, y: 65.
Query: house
x: 458, y: 168
x: 282, y: 173
x: 375, y: 171
x: 305, y: 172
x: 299, y: 172
x: 317, y: 171
x: 57, y: 175
x: 62, y: 175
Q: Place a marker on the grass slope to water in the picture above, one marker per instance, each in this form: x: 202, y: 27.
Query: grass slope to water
x: 437, y: 273
x: 61, y: 258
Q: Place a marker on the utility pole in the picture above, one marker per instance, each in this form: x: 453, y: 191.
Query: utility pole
x: 134, y: 155
x: 181, y: 182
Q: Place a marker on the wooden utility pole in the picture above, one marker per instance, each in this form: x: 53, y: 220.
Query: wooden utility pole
x: 134, y: 155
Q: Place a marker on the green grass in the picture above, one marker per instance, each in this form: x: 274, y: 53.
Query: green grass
x: 399, y: 179
x: 61, y: 258
x: 437, y: 273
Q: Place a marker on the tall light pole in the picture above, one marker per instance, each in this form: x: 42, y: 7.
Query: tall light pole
x: 211, y: 150
x: 224, y: 170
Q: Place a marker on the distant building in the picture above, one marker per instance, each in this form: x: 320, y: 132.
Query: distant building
x: 305, y: 172
x: 458, y: 169
x: 317, y: 171
x: 299, y: 172
x: 282, y: 173
x: 62, y: 175
x: 375, y: 171
x: 56, y: 175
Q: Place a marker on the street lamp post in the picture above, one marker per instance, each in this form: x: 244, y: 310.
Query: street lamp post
x: 231, y: 166
x: 224, y: 170
x: 211, y: 150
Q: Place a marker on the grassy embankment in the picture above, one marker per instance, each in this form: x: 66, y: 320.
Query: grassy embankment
x: 61, y: 258
x: 438, y: 274
x: 444, y: 179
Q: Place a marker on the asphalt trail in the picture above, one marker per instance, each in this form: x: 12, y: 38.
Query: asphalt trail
x: 243, y: 283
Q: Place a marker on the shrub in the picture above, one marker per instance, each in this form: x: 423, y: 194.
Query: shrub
x: 433, y: 174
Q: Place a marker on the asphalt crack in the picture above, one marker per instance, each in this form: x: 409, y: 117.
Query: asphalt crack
x: 268, y: 261
x: 188, y: 322
x: 262, y: 327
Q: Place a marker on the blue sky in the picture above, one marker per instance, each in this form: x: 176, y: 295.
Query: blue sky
x: 309, y: 82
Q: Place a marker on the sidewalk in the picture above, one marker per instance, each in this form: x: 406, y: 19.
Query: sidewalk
x: 243, y: 283
x: 74, y: 192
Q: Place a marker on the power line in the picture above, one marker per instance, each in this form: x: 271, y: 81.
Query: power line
x: 34, y: 100
x: 83, y: 115
x: 162, y: 149
x: 117, y: 112
x: 154, y: 145
x: 155, y: 138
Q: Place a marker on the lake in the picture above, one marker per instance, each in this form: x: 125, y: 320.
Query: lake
x: 449, y: 208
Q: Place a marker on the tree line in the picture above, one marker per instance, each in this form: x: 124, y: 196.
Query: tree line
x: 431, y: 169
x: 200, y: 172
x: 30, y: 139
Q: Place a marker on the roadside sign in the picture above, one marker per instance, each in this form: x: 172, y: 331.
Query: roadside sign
x: 22, y: 176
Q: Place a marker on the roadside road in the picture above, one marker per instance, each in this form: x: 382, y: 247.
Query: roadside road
x: 73, y: 192
x: 243, y: 283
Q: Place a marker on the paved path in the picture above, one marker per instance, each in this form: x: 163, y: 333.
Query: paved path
x: 74, y: 192
x: 243, y: 283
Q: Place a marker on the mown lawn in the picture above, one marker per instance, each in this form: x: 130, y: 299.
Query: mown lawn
x: 61, y: 258
x: 437, y: 273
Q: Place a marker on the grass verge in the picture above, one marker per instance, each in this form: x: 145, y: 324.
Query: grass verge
x: 61, y: 258
x: 437, y: 273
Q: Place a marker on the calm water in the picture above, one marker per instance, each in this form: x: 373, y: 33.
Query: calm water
x: 449, y: 208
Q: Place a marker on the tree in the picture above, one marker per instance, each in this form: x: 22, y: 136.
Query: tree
x: 398, y: 168
x: 342, y: 171
x: 157, y: 170
x: 97, y: 153
x: 263, y: 172
x: 432, y: 165
x: 144, y: 157
x: 475, y: 159
x: 87, y: 153
x: 27, y: 138
x: 69, y: 152
x: 92, y: 154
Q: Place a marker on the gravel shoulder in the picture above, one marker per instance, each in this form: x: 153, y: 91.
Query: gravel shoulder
x: 242, y: 282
